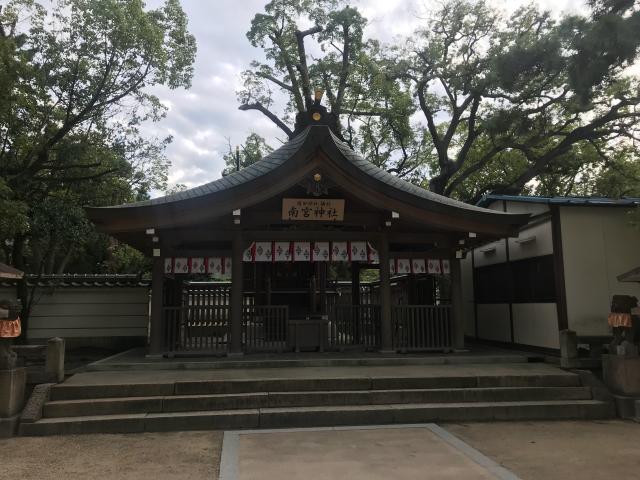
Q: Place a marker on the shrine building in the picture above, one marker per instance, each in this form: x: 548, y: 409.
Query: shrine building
x: 256, y: 261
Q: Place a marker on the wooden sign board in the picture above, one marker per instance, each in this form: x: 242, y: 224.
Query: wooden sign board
x: 313, y: 209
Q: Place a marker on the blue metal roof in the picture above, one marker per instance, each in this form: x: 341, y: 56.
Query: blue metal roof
x: 486, y: 200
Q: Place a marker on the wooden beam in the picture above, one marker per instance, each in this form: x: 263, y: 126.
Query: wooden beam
x: 236, y: 300
x: 385, y: 296
x: 157, y: 283
x: 299, y: 232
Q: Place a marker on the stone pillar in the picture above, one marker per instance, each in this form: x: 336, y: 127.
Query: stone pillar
x: 12, y: 389
x: 456, y: 304
x: 156, y: 346
x: 54, y: 364
x: 236, y: 301
x: 385, y: 296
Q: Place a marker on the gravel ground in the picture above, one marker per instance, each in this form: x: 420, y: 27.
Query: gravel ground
x: 559, y: 450
x: 156, y: 456
x: 532, y: 450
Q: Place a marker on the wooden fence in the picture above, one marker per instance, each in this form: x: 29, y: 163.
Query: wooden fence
x: 354, y: 326
x: 265, y: 328
x: 197, y: 328
x: 422, y: 327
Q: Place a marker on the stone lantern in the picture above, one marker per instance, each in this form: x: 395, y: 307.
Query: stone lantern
x: 9, y: 329
x: 12, y: 378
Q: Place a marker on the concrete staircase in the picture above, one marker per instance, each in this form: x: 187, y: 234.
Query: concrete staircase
x: 250, y: 401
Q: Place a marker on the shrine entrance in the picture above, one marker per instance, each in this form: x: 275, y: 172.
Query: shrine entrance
x: 291, y: 306
x: 270, y: 258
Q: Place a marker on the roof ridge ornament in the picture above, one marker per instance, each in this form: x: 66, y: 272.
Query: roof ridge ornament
x: 317, y: 114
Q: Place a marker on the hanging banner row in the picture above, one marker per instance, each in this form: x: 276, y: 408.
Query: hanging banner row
x: 305, y: 252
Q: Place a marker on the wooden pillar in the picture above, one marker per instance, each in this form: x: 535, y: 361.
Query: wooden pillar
x: 355, y: 283
x: 456, y: 304
x: 322, y: 279
x: 411, y: 290
x: 236, y: 301
x: 385, y: 296
x: 156, y: 344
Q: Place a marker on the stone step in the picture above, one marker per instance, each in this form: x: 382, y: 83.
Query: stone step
x: 292, y: 417
x: 127, y: 362
x: 235, y: 401
x: 68, y: 391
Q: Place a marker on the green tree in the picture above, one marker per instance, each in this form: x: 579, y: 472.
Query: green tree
x: 473, y: 102
x: 73, y: 92
x: 76, y: 92
x: 253, y: 149
x: 368, y: 104
x: 499, y: 101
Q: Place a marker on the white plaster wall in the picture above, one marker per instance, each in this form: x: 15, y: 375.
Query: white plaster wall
x: 598, y: 245
x: 536, y: 324
x: 467, y: 296
x: 493, y: 322
x: 490, y: 258
x: 542, y: 245
x: 527, y: 207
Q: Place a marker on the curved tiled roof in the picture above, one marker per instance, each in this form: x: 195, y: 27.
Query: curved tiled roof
x: 263, y: 166
x: 278, y: 157
x: 380, y: 174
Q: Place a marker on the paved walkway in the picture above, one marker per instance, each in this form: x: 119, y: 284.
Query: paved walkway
x: 588, y: 450
x: 405, y: 371
x: 356, y: 453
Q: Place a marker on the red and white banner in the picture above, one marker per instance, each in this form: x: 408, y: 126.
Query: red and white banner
x: 301, y: 251
x: 446, y: 267
x: 321, y: 252
x: 214, y: 265
x: 250, y: 253
x: 339, y: 252
x: 226, y: 268
x: 418, y: 266
x: 198, y: 265
x: 168, y: 265
x: 181, y: 265
x: 372, y: 255
x: 264, y: 252
x: 283, y: 251
x: 433, y: 266
x: 358, y: 251
x: 403, y: 266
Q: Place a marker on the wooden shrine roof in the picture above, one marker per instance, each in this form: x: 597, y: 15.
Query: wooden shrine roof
x: 315, y: 148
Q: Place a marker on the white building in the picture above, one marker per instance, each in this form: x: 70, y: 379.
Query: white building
x: 560, y: 272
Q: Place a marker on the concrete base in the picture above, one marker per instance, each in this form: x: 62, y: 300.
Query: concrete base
x: 8, y: 426
x: 626, y: 407
x: 12, y: 385
x: 235, y: 355
x: 622, y: 374
x: 154, y: 356
x: 581, y: 362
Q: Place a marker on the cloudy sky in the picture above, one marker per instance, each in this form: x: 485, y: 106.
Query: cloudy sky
x: 202, y: 118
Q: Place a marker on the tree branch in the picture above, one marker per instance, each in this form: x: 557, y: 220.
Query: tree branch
x: 302, y: 66
x: 261, y: 108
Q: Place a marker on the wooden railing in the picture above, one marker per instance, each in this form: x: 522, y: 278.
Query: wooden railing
x: 202, y: 328
x: 354, y: 326
x: 264, y: 328
x: 206, y: 293
x: 422, y: 327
